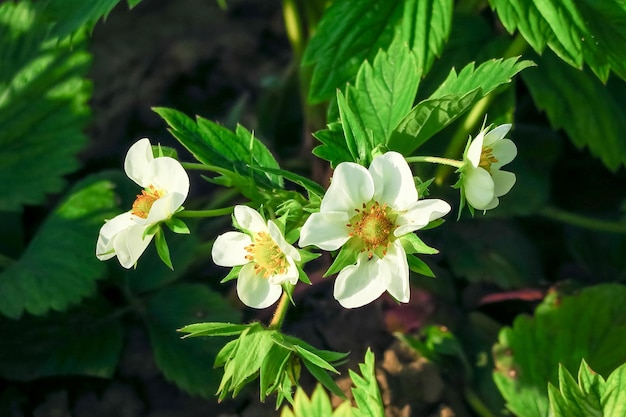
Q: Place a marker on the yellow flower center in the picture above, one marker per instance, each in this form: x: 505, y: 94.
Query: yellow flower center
x: 144, y: 201
x: 373, y: 225
x: 487, y: 158
x: 269, y: 259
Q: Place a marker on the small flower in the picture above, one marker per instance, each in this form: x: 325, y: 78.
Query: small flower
x: 165, y: 187
x: 481, y: 180
x: 266, y: 258
x: 370, y: 210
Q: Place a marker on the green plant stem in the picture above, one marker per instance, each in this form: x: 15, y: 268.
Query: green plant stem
x: 477, y: 404
x: 583, y: 221
x: 205, y: 213
x: 435, y: 160
x: 517, y: 46
x: 280, y: 313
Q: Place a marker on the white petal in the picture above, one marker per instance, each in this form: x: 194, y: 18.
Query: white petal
x: 492, y: 204
x: 169, y: 175
x: 277, y: 236
x: 291, y: 275
x: 393, y: 181
x: 229, y: 249
x: 250, y: 219
x: 254, y: 290
x: 475, y: 150
x: 108, y: 231
x: 503, y: 181
x: 478, y: 187
x: 130, y: 244
x: 496, y: 134
x: 504, y: 151
x: 163, y: 208
x: 396, y: 267
x: 419, y: 215
x: 137, y: 162
x: 360, y: 284
x: 351, y: 186
x: 327, y: 231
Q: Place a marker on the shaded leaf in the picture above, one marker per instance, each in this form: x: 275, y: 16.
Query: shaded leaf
x: 365, y: 391
x: 562, y: 331
x: 59, y: 267
x: 180, y: 359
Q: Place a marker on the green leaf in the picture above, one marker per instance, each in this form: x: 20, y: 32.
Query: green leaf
x: 384, y: 90
x: 562, y: 331
x: 333, y: 148
x: 215, y: 145
x: 349, y: 33
x: 365, y: 391
x: 213, y: 329
x: 43, y: 106
x: 567, y: 106
x: 78, y: 342
x: 359, y: 138
x: 426, y: 27
x: 427, y: 118
x: 69, y: 15
x: 576, y: 30
x: 318, y: 405
x: 59, y: 268
x: 309, y: 185
x: 271, y: 367
x: 614, y: 397
x: 180, y: 359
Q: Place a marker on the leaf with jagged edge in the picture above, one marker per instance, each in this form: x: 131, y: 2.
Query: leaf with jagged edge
x: 43, y: 105
x: 184, y: 361
x: 453, y: 98
x: 59, y: 267
x: 562, y: 331
x: 591, y: 395
x: 348, y: 34
x: 317, y: 406
x: 365, y: 391
x: 566, y: 95
x: 578, y: 31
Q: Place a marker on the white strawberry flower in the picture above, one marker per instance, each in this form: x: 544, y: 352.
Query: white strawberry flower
x: 482, y: 181
x: 371, y: 209
x: 266, y: 259
x: 165, y: 186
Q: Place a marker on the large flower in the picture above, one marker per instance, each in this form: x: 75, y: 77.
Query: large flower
x: 482, y: 182
x: 370, y: 210
x: 165, y: 187
x: 266, y: 258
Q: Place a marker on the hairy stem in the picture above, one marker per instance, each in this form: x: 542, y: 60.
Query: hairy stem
x: 280, y: 313
x: 435, y: 160
x: 205, y: 213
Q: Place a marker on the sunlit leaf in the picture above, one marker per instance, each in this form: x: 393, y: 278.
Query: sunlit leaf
x: 593, y: 32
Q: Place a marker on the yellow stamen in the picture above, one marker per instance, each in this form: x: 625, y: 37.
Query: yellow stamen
x: 267, y: 256
x: 144, y: 201
x: 487, y: 158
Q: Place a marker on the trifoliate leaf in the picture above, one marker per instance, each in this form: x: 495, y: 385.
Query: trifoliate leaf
x: 564, y: 330
x: 186, y: 361
x: 593, y: 32
x: 567, y: 108
x: 59, y: 267
x: 43, y: 105
x: 349, y: 33
x: 78, y: 342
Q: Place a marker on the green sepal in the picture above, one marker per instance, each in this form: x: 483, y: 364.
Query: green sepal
x: 159, y: 151
x: 176, y: 225
x: 214, y: 329
x: 413, y: 244
x: 232, y: 274
x: 302, y: 276
x: 306, y: 256
x: 151, y: 230
x: 309, y: 185
x: 418, y: 266
x: 347, y: 256
x: 162, y: 249
x: 288, y: 288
